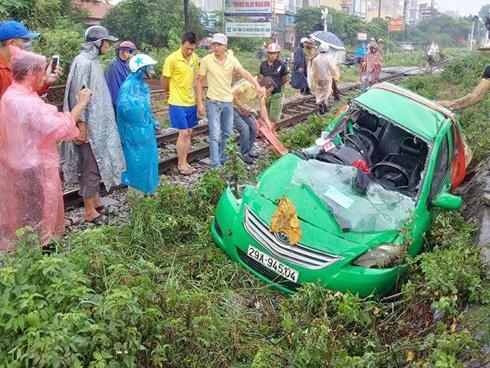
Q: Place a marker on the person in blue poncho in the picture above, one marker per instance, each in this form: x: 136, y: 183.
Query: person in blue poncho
x: 136, y: 125
x: 118, y: 70
x: 361, y: 52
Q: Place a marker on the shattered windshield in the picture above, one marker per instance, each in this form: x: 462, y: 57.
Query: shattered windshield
x: 378, y: 209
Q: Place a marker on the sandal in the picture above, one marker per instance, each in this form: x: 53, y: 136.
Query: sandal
x: 103, y: 210
x: 185, y: 171
x: 99, y: 220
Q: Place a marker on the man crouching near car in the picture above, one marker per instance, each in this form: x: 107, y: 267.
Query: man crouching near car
x: 245, y: 97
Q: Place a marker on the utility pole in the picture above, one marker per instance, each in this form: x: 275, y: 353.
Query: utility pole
x: 186, y: 15
x: 379, y: 8
x: 325, y: 17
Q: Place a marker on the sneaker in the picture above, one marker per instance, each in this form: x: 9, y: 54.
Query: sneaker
x: 247, y: 159
x: 254, y: 153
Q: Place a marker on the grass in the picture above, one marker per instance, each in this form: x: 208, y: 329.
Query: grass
x: 157, y: 292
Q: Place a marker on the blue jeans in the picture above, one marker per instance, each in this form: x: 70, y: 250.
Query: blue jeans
x: 220, y: 122
x: 247, y: 129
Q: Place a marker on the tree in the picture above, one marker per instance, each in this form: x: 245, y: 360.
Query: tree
x: 484, y: 11
x: 150, y: 21
x: 41, y: 14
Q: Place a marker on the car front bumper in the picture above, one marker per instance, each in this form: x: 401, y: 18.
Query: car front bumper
x: 229, y: 233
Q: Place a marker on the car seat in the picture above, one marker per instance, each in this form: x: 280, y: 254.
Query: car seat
x: 408, y: 158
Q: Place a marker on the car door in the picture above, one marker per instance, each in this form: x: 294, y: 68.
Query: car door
x: 436, y: 181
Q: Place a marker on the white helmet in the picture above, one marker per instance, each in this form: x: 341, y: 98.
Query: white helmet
x: 139, y: 61
x: 323, y: 48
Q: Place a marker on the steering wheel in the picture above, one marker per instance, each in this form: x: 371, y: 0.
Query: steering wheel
x: 395, y: 168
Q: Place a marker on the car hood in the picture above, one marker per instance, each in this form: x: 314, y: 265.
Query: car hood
x: 281, y: 179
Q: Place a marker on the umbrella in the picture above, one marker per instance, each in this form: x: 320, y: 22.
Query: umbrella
x: 328, y: 37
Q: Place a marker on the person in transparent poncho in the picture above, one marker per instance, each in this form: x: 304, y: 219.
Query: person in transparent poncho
x: 30, y: 185
x: 136, y: 125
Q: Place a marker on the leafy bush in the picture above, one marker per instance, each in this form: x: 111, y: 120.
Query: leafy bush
x: 157, y: 292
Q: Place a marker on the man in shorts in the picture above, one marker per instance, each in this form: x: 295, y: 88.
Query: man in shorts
x: 179, y: 72
x: 431, y: 54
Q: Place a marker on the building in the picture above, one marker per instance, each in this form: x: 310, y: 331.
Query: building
x: 209, y: 6
x: 389, y: 9
x: 412, y: 12
x: 428, y: 11
x: 96, y: 10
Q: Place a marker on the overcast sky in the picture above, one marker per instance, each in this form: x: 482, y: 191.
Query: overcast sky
x: 463, y: 7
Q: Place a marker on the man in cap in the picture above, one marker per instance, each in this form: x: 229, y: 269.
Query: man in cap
x: 179, y: 72
x: 118, y: 69
x: 13, y: 33
x: 219, y: 68
x: 477, y: 94
x: 278, y: 71
x: 98, y: 154
x: 298, y: 79
x: 323, y: 72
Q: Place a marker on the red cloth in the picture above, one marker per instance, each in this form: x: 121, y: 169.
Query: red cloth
x: 30, y: 185
x: 361, y: 164
x: 6, y: 78
x: 5, y: 75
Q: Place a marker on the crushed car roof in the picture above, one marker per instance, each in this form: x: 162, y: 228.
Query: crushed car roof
x: 414, y: 116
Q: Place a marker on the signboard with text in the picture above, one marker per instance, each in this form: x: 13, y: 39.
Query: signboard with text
x: 396, y: 25
x: 361, y: 36
x: 248, y: 7
x: 262, y: 29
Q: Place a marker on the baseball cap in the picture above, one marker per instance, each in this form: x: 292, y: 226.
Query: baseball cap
x: 11, y: 29
x: 220, y: 38
x: 304, y: 39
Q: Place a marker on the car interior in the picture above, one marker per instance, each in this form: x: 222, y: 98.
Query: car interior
x: 395, y: 158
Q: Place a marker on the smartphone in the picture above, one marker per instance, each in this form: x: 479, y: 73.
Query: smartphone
x: 54, y: 63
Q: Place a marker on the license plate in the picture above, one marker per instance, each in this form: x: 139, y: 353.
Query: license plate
x: 273, y: 264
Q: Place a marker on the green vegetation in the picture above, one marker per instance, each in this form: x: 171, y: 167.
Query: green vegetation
x: 163, y: 21
x: 157, y: 292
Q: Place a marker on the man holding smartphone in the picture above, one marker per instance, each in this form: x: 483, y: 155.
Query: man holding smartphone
x: 15, y: 34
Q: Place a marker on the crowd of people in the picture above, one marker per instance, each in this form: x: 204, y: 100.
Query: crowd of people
x: 315, y: 71
x: 107, y: 128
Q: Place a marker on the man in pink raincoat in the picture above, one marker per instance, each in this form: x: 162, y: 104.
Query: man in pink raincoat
x: 374, y: 60
x: 30, y: 185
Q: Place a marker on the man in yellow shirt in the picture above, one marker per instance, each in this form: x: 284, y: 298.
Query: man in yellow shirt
x: 245, y: 98
x: 178, y: 76
x: 218, y: 68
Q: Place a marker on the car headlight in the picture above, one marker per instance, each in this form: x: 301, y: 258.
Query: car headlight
x: 383, y: 256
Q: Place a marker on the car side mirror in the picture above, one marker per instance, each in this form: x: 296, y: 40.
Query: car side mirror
x: 448, y: 201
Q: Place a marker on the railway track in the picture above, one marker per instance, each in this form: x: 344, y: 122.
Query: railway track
x: 294, y: 112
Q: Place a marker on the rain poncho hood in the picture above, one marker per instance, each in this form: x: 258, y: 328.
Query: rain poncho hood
x: 115, y: 74
x: 99, y: 116
x: 30, y: 185
x: 136, y: 125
